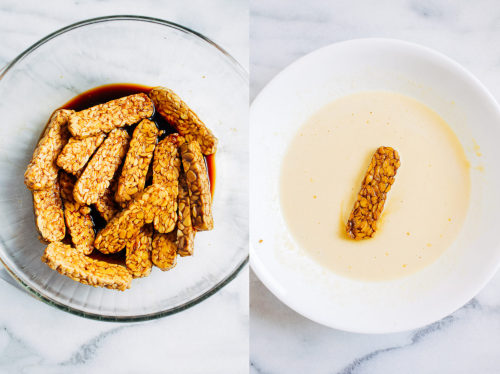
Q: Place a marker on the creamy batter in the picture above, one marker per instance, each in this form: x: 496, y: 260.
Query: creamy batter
x: 323, y: 169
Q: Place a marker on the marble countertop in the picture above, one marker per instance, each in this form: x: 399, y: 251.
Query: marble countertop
x: 281, y: 340
x: 211, y: 337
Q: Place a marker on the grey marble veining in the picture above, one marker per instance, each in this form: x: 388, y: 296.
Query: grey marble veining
x: 468, y: 341
x: 211, y: 337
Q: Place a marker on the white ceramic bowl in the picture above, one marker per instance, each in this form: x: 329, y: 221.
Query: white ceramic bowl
x: 290, y: 99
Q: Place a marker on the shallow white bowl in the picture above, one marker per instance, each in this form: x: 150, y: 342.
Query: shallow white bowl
x: 290, y: 99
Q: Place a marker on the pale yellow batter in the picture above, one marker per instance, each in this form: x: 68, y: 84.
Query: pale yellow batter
x: 325, y: 164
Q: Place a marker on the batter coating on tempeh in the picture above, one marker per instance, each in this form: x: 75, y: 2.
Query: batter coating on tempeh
x: 164, y: 253
x: 126, y: 224
x: 100, y: 170
x: 49, y: 214
x: 74, y: 264
x: 136, y: 165
x: 77, y: 217
x: 113, y: 114
x: 77, y: 152
x: 177, y: 113
x: 198, y: 184
x: 42, y: 170
x: 185, y: 231
x: 377, y: 182
x: 138, y: 256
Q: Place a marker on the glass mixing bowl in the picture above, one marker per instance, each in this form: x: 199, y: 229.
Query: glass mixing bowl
x: 125, y: 49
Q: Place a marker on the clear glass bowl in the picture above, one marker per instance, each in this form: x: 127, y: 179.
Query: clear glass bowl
x: 125, y: 49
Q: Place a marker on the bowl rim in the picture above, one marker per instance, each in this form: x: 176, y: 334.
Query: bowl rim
x: 238, y: 68
x: 258, y: 266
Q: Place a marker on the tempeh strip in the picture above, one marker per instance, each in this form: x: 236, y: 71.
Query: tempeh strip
x: 199, y: 186
x: 108, y: 116
x: 106, y: 205
x: 185, y: 231
x: 100, y: 170
x: 138, y: 254
x: 74, y: 264
x: 164, y: 253
x: 77, y: 152
x: 126, y: 224
x: 139, y: 155
x: 77, y: 216
x: 49, y: 214
x: 377, y: 182
x: 177, y: 112
x: 42, y: 169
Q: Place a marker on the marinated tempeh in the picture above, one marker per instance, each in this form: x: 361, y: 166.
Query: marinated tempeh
x: 166, y: 162
x: 100, y: 170
x: 49, y: 214
x: 106, y: 205
x: 139, y: 155
x: 176, y: 112
x: 111, y: 115
x: 75, y: 265
x: 42, y: 169
x: 164, y: 254
x: 377, y: 182
x: 126, y: 224
x: 77, y: 217
x: 138, y: 256
x: 198, y: 185
x: 185, y: 231
x: 77, y: 152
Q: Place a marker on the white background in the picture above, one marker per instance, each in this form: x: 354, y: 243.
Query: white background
x: 281, y: 341
x: 211, y: 337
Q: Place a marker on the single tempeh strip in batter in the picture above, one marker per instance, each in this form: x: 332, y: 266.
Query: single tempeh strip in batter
x: 377, y: 182
x: 75, y: 265
x: 49, y: 215
x: 77, y: 216
x: 101, y: 168
x: 126, y: 224
x: 138, y: 256
x: 108, y: 116
x: 77, y: 152
x: 185, y: 231
x: 106, y: 205
x: 42, y: 169
x: 164, y: 253
x: 199, y: 186
x: 139, y: 155
x: 177, y: 112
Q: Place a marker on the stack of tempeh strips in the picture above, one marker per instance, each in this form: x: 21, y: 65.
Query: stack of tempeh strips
x: 86, y: 160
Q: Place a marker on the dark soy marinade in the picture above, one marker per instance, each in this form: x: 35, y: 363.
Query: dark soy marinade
x: 103, y: 94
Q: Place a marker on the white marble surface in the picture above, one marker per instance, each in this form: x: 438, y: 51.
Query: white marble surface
x: 281, y: 341
x: 211, y: 337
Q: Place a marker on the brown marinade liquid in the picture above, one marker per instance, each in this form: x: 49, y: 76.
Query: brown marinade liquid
x: 102, y: 94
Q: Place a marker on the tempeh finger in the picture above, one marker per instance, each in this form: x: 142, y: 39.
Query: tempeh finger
x: 377, y: 182
x: 77, y: 152
x: 139, y: 155
x: 77, y: 217
x: 164, y: 254
x: 105, y: 204
x: 138, y: 253
x: 185, y: 231
x: 100, y: 170
x: 42, y: 170
x: 49, y: 214
x: 113, y: 114
x: 177, y: 112
x: 198, y: 185
x: 74, y: 264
